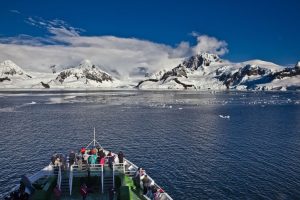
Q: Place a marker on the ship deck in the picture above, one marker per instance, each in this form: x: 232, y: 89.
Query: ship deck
x: 103, y: 181
x: 135, y: 193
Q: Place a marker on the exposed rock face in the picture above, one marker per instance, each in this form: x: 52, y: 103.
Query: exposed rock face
x: 235, y: 78
x: 141, y: 82
x: 192, y: 63
x: 287, y: 72
x: 85, y: 70
x: 200, y: 60
x: 183, y: 84
x: 178, y: 71
x: 4, y: 79
x: 45, y: 85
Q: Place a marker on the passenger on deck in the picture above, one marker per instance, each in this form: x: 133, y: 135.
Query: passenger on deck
x: 72, y: 158
x: 82, y: 150
x: 85, y: 157
x: 57, y: 192
x: 57, y: 162
x: 92, y: 159
x: 79, y: 163
x: 83, y: 191
x: 110, y: 159
x: 137, y: 177
x: 159, y: 195
x: 116, y: 159
x: 102, y: 161
x: 101, y: 153
x: 93, y: 151
x: 63, y: 163
x: 53, y: 158
x: 22, y: 194
x: 152, y: 190
x: 121, y: 157
x: 111, y: 193
x: 146, y: 184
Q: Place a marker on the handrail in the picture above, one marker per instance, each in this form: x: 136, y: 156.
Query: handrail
x: 71, y: 179
x: 157, y: 186
x: 46, y: 171
x: 113, y: 176
x: 117, y: 168
x: 102, y: 180
x: 59, y: 177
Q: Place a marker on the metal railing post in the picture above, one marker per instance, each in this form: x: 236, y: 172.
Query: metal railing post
x: 71, y: 180
x: 113, y: 176
x: 59, y: 177
x: 102, y: 180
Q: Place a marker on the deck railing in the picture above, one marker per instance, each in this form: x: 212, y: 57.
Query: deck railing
x: 131, y: 170
x: 59, y: 177
x: 127, y: 168
x: 46, y: 171
x: 71, y: 179
x: 83, y: 170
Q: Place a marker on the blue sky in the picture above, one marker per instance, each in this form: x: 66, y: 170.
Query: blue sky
x: 267, y: 30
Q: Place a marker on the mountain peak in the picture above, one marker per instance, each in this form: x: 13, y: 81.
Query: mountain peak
x: 9, y: 68
x: 200, y: 60
x: 86, y: 63
x: 9, y: 63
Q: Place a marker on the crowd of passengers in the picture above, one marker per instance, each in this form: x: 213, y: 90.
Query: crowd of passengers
x: 98, y: 156
x: 87, y: 156
x: 141, y: 180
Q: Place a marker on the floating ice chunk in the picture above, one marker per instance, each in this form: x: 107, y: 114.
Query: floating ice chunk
x: 224, y: 116
x: 179, y: 108
x: 170, y: 106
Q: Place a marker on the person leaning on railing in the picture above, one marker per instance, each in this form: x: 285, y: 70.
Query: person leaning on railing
x: 72, y: 157
x: 137, y: 177
x: 121, y: 157
x: 146, y: 184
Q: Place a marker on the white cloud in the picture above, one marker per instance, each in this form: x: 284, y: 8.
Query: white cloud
x: 56, y: 27
x: 66, y: 47
x: 209, y: 44
x: 15, y: 11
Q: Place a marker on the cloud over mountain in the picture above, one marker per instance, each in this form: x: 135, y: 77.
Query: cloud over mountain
x: 65, y: 45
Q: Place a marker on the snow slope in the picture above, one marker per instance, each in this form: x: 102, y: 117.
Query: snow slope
x: 202, y: 72
x: 207, y: 71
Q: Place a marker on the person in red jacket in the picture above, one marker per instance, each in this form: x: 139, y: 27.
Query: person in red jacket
x: 82, y: 150
x: 84, y: 191
x: 57, y: 192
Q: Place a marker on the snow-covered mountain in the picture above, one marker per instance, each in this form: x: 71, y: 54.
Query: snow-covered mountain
x: 203, y: 71
x: 9, y: 69
x: 207, y: 71
x: 12, y: 74
x: 84, y: 75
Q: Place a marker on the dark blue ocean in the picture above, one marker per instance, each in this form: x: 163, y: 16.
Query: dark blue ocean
x: 196, y: 145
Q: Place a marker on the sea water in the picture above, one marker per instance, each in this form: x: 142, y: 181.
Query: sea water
x: 196, y: 145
